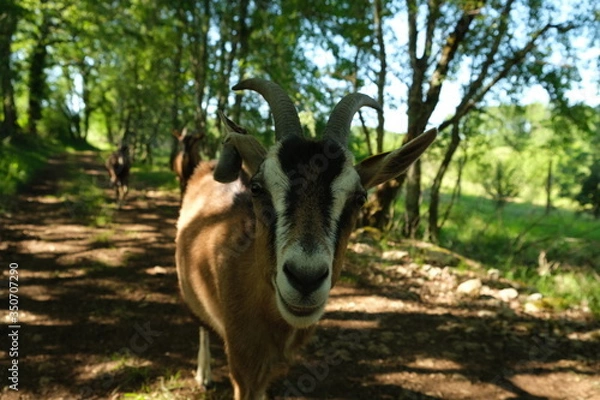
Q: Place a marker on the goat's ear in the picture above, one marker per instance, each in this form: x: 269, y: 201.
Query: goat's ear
x: 176, y: 134
x: 239, y: 151
x: 385, y: 166
x: 230, y: 126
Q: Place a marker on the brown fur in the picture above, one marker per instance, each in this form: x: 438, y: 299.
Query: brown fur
x: 118, y: 166
x: 225, y: 277
x: 225, y: 255
x: 187, y: 158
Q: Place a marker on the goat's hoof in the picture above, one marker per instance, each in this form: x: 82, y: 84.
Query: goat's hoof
x: 206, y: 384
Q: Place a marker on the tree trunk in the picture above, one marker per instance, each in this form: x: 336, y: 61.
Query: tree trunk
x: 366, y: 132
x: 434, y: 196
x: 37, y: 84
x: 176, y: 84
x: 86, y: 96
x: 235, y: 32
x: 37, y: 77
x: 413, y: 200
x: 243, y: 37
x: 200, y: 27
x: 455, y: 192
x: 421, y: 103
x: 382, y: 73
x: 549, y: 188
x: 379, y: 209
x: 8, y: 26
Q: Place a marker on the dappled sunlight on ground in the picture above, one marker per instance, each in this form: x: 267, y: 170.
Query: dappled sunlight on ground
x: 102, y: 318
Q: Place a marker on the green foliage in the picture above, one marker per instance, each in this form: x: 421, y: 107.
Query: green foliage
x: 358, y: 144
x: 590, y: 190
x: 19, y: 161
x: 511, y: 150
x: 521, y: 238
x: 562, y: 289
x: 86, y: 199
x: 501, y: 185
x: 156, y: 177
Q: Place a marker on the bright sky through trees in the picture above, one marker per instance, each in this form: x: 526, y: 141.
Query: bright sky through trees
x: 586, y: 91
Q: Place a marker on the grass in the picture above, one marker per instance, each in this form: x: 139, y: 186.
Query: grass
x: 170, y: 386
x: 103, y: 239
x: 556, y: 254
x: 521, y: 231
x: 157, y: 177
x: 22, y: 158
x: 86, y: 199
x: 19, y: 162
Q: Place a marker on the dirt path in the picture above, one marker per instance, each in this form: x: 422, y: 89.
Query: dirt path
x: 101, y: 318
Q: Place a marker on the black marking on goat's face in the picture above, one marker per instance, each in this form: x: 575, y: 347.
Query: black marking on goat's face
x: 264, y: 211
x: 311, y: 167
x: 308, y: 189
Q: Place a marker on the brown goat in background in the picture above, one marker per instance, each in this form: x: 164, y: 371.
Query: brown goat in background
x: 118, y: 166
x: 187, y: 157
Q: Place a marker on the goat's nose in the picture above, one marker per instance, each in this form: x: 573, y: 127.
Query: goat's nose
x: 305, y: 279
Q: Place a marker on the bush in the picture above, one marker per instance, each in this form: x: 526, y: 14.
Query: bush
x: 501, y: 185
x: 589, y: 195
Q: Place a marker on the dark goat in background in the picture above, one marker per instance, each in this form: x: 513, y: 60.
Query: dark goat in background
x: 118, y: 166
x: 187, y: 157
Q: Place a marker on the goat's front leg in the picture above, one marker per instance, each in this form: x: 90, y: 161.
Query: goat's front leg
x: 117, y: 195
x: 250, y: 374
x: 125, y: 186
x: 244, y: 394
x: 124, y: 191
x: 203, y: 373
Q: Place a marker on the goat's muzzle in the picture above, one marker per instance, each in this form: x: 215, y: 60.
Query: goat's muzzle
x: 305, y: 280
x: 302, y: 291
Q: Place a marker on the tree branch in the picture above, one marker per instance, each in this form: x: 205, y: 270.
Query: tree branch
x: 448, y: 53
x: 434, y: 14
x: 478, y: 90
x: 502, y: 29
x: 412, y: 8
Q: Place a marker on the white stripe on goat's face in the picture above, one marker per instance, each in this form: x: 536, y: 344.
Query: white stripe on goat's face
x: 309, y: 188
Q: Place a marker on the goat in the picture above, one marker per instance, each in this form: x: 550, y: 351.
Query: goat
x: 262, y: 234
x: 187, y: 157
x: 118, y: 166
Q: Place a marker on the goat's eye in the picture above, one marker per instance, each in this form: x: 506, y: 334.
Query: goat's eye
x: 256, y: 188
x: 360, y: 198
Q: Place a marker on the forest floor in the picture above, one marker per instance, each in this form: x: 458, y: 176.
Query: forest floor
x: 100, y: 315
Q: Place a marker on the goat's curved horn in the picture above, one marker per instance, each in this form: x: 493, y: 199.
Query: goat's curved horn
x: 284, y: 112
x: 338, y: 125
